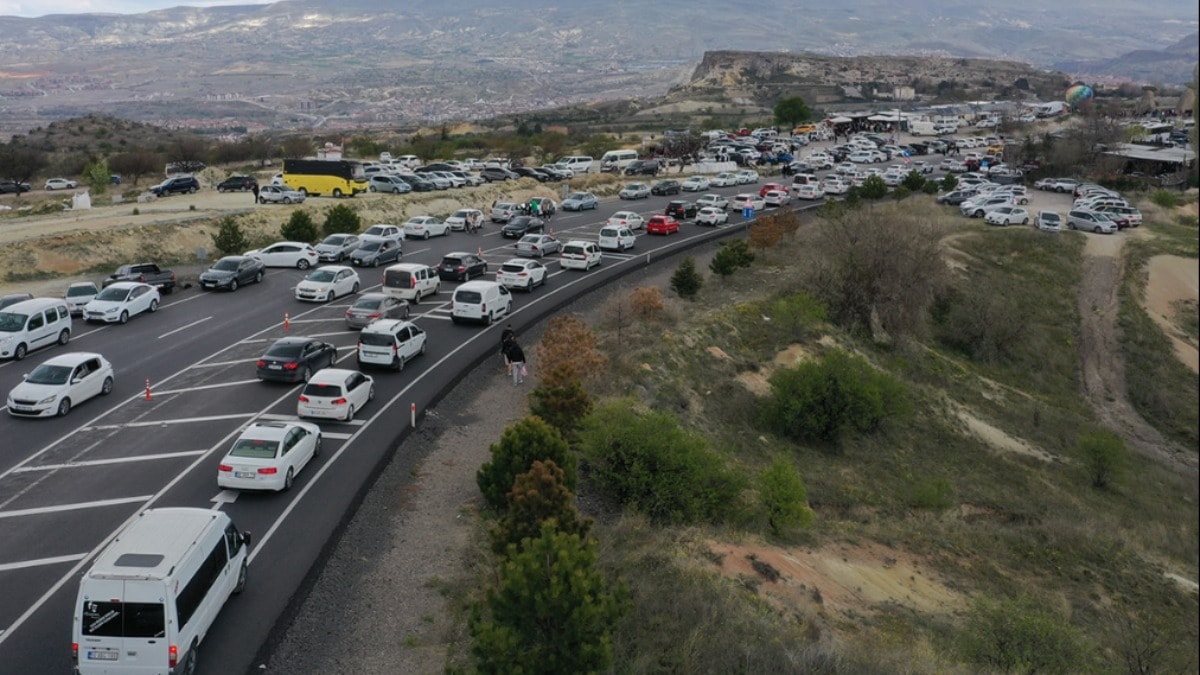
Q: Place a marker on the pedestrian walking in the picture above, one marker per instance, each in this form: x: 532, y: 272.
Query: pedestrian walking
x: 506, y: 336
x: 254, y: 189
x: 516, y: 362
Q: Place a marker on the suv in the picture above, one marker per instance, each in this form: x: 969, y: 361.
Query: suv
x: 237, y: 183
x: 643, y: 167
x: 176, y: 186
x: 390, y: 343
x: 461, y: 267
x: 682, y: 210
x: 666, y: 187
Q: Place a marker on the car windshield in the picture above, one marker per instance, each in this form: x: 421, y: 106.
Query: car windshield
x: 320, y: 275
x: 323, y: 390
x: 377, y: 339
x: 226, y: 265
x: 48, y: 374
x: 1049, y: 216
x: 451, y: 262
x: 368, y: 303
x: 376, y: 230
x: 113, y: 294
x: 370, y: 245
x: 579, y: 195
x: 11, y: 323
x: 512, y: 267
x: 461, y: 214
x: 254, y: 448
x: 284, y: 351
x: 76, y: 291
x: 335, y: 239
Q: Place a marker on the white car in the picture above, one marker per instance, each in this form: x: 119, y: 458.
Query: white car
x: 696, y: 184
x: 279, y: 194
x: 424, y: 227
x: 1049, y: 221
x: 1007, y: 215
x: 119, y: 301
x: 747, y: 176
x: 60, y: 184
x: 326, y: 283
x: 80, y: 294
x: 724, y: 179
x: 711, y: 215
x: 893, y: 178
x: 776, y: 198
x: 286, y: 254
x: 921, y: 167
x: 580, y: 255
x: 57, y: 385
x: 630, y: 219
x: 383, y: 231
x: 846, y: 169
x: 713, y: 200
x: 458, y: 221
x: 521, y: 273
x: 335, y: 393
x: 832, y: 185
x: 814, y: 191
x: 616, y: 238
x: 390, y: 343
x: 268, y: 455
x: 748, y: 199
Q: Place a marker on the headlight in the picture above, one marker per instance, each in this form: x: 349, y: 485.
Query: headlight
x: 111, y: 310
x: 48, y: 400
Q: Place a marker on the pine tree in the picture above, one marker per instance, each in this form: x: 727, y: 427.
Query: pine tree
x: 686, y: 281
x: 523, y: 443
x: 538, y: 496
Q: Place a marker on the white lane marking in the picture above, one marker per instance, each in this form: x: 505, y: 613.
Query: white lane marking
x: 40, y: 562
x: 278, y: 416
x: 72, y: 507
x: 202, y: 387
x: 247, y: 341
x: 336, y: 318
x: 224, y: 497
x: 340, y: 332
x: 218, y: 364
x: 112, y: 460
x: 337, y: 436
x: 183, y: 328
x: 163, y: 423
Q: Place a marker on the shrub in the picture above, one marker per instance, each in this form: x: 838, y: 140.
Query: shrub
x: 949, y: 182
x: 914, y: 181
x: 930, y: 187
x: 229, y: 238
x: 686, y: 281
x: 935, y: 494
x: 550, y: 611
x: 1013, y: 635
x: 538, y: 496
x: 821, y: 400
x: 647, y: 461
x: 570, y: 343
x: 873, y: 188
x: 783, y: 496
x: 561, y: 400
x: 733, y: 255
x: 341, y: 219
x: 768, y: 230
x: 900, y: 193
x: 299, y: 227
x: 1165, y: 199
x: 796, y: 314
x: 1104, y: 456
x: 983, y: 324
x: 647, y: 303
x: 526, y: 441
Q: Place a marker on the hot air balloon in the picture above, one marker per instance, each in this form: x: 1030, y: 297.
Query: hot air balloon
x: 1078, y: 95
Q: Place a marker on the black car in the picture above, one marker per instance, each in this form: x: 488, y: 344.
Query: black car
x: 666, y: 187
x: 643, y: 167
x: 436, y: 166
x: 520, y: 226
x: 536, y: 174
x: 461, y: 267
x: 176, y: 186
x: 13, y: 187
x: 681, y: 210
x: 494, y: 173
x: 295, y: 359
x: 554, y: 172
x: 418, y: 184
x: 237, y: 184
x: 232, y: 271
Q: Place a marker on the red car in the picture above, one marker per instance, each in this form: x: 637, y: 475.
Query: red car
x: 661, y: 225
x: 762, y: 192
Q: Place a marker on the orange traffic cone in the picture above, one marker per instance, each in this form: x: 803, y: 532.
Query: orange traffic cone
x: 148, y: 396
x: 287, y: 322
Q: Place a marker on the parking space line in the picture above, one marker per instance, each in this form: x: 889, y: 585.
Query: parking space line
x: 217, y: 364
x: 104, y: 462
x: 278, y: 417
x: 160, y: 423
x: 336, y: 318
x: 337, y: 436
x: 202, y: 387
x: 40, y: 562
x: 183, y: 328
x: 340, y: 332
x: 72, y: 507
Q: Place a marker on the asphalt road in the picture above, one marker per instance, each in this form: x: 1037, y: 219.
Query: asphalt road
x: 68, y: 485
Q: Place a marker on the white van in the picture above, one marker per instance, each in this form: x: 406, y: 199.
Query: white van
x: 577, y: 163
x: 33, y: 324
x: 616, y: 161
x: 411, y: 281
x: 152, y: 594
x: 483, y: 301
x: 580, y: 255
x: 616, y: 238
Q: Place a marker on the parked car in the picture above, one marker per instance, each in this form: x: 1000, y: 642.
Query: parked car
x: 13, y: 187
x: 493, y: 174
x: 370, y: 307
x: 520, y: 226
x: 335, y: 393
x: 631, y: 219
x: 326, y: 283
x: 711, y: 215
x: 458, y: 221
x: 662, y: 225
x: 1007, y: 215
x: 417, y: 183
x: 747, y: 176
x: 231, y: 272
x: 176, y: 185
x: 724, y: 179
x: 383, y: 231
x: 538, y: 245
x: 237, y: 184
x: 580, y: 255
x: 286, y: 254
x: 279, y: 194
x: 336, y: 247
x: 666, y: 187
x: 461, y: 266
x: 634, y: 191
x: 580, y: 201
x: 146, y: 273
x: 643, y: 167
x: 390, y: 343
x: 375, y: 253
x: 713, y: 200
x: 388, y: 183
x: 978, y: 208
x: 59, y: 384
x: 295, y: 359
x: 424, y: 227
x: 268, y: 455
x: 60, y: 184
x: 814, y: 191
x: 120, y: 301
x: 696, y: 184
x: 681, y: 209
x: 521, y: 273
x: 1090, y: 221
x: 1049, y: 221
x: 78, y: 295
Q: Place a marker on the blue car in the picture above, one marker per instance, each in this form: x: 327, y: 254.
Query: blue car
x: 580, y: 201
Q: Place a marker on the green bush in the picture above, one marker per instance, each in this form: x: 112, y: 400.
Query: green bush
x: 935, y: 494
x: 299, y: 227
x: 1165, y: 198
x: 873, y: 188
x: 901, y: 192
x: 1013, y: 635
x: 686, y: 281
x: 784, y: 497
x: 821, y: 400
x: 645, y: 460
x: 538, y: 496
x: 229, y: 238
x: 798, y: 315
x: 523, y: 443
x: 341, y: 219
x: 561, y: 400
x: 1104, y: 456
x: 914, y: 181
x: 949, y: 182
x: 733, y: 255
x: 930, y: 187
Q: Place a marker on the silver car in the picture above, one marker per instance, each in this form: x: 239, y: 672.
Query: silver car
x: 375, y: 306
x: 337, y: 247
x: 279, y: 194
x: 538, y: 245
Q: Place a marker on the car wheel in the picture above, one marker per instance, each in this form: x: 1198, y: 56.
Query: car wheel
x: 397, y: 363
x: 153, y: 306
x: 423, y: 347
x: 258, y: 277
x: 1096, y: 230
x: 64, y: 336
x: 286, y: 200
x: 487, y: 320
x: 107, y: 387
x: 233, y: 285
x: 124, y: 317
x: 466, y: 276
x: 241, y: 580
x: 20, y: 352
x: 426, y: 235
x: 375, y: 262
x: 189, y: 663
x: 354, y: 288
x: 328, y: 296
x: 371, y: 188
x: 1025, y: 222
x: 64, y: 407
x: 302, y: 264
x: 192, y: 190
x: 337, y: 192
x: 288, y: 479
x: 307, y: 373
x: 978, y: 214
x: 349, y: 414
x: 317, y: 447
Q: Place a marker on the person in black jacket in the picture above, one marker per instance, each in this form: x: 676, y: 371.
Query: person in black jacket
x: 516, y: 361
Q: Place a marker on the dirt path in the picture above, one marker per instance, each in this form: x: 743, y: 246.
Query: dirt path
x: 1103, y: 366
x: 1172, y: 279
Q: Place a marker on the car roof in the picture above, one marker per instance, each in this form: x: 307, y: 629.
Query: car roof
x: 268, y: 430
x: 126, y: 284
x: 71, y: 359
x: 331, y: 376
x: 292, y: 341
x: 383, y: 326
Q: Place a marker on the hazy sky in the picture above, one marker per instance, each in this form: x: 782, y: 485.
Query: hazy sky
x: 36, y: 8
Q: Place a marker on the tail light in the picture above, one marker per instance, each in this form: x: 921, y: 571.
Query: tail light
x: 460, y: 268
x: 291, y: 366
x: 412, y: 282
x: 339, y: 401
x: 349, y: 314
x: 268, y: 471
x: 224, y: 467
x: 173, y: 656
x: 303, y: 398
x: 75, y: 653
x: 260, y: 363
x: 374, y: 315
x: 483, y: 309
x: 395, y: 348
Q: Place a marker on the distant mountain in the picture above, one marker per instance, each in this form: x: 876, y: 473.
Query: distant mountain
x: 1170, y: 65
x: 348, y: 63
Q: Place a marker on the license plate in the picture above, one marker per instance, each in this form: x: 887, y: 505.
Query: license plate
x: 102, y: 656
x: 243, y: 474
x: 274, y: 366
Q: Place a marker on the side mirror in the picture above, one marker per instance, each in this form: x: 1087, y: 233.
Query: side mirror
x: 246, y: 537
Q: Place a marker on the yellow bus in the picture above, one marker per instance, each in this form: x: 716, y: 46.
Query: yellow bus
x: 805, y: 128
x: 334, y: 177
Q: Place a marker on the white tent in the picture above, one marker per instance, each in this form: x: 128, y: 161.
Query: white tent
x: 840, y: 120
x: 884, y: 118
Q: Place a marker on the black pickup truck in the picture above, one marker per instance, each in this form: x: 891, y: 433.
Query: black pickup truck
x: 147, y: 273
